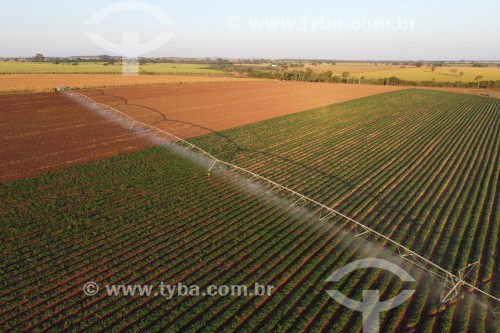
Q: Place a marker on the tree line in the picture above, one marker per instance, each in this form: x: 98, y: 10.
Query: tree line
x: 308, y: 75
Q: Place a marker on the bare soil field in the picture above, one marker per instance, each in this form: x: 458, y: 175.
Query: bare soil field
x: 11, y: 83
x: 200, y: 108
x: 43, y: 132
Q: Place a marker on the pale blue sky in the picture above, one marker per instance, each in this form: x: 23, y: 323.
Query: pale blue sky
x: 322, y: 29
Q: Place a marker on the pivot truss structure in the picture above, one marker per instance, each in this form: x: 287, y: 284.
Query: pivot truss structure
x: 452, y: 283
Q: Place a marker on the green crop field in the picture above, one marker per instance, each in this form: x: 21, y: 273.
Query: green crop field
x: 419, y: 166
x: 12, y: 67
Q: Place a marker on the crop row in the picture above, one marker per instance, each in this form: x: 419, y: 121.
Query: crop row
x: 418, y: 166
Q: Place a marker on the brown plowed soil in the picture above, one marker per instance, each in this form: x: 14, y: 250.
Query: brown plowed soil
x: 43, y: 132
x: 190, y: 110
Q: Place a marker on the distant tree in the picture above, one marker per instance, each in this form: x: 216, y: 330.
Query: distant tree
x: 433, y: 68
x: 393, y: 81
x: 308, y: 75
x: 453, y: 71
x: 284, y: 67
x: 336, y: 79
x: 478, y: 79
x: 461, y: 73
x: 326, y: 76
x: 345, y: 76
x: 39, y: 57
x: 419, y: 64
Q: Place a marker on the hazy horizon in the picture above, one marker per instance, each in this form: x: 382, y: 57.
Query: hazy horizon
x: 325, y: 30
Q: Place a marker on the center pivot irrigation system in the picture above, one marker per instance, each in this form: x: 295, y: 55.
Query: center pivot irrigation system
x: 451, y: 282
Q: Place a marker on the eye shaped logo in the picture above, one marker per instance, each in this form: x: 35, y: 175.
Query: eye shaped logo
x: 129, y: 48
x: 371, y: 305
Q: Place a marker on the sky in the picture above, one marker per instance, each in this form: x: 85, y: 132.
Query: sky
x: 314, y: 29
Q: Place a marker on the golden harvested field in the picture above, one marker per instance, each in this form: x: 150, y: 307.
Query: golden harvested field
x: 440, y: 74
x: 352, y: 68
x: 13, y: 83
x: 410, y: 73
